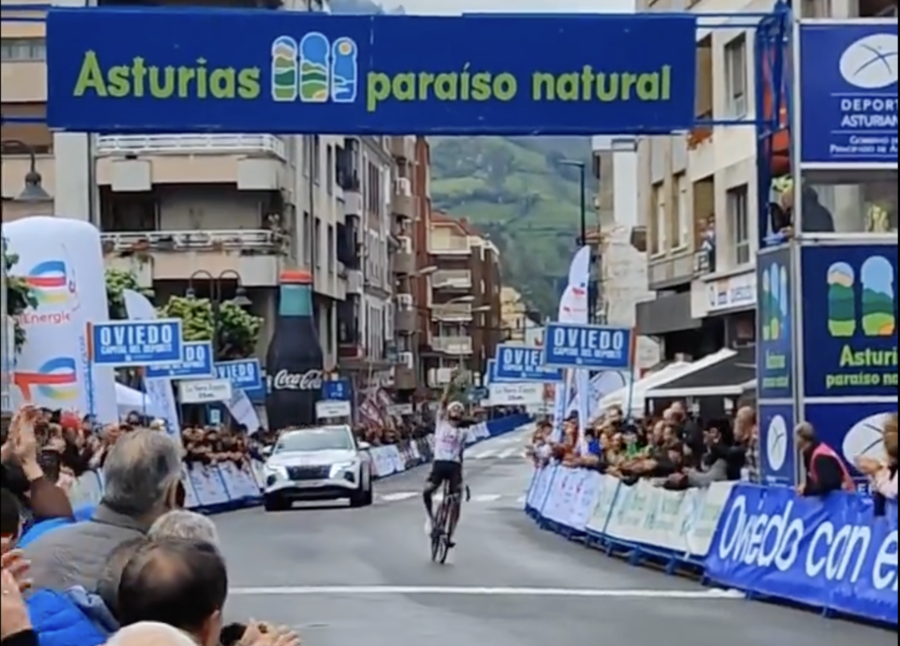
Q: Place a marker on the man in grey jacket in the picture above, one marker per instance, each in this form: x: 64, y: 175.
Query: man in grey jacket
x: 142, y: 476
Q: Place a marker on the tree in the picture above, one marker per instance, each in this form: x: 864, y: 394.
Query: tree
x: 238, y: 329
x: 19, y: 295
x: 117, y: 281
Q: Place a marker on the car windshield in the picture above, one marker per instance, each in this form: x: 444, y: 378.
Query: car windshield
x: 316, y: 439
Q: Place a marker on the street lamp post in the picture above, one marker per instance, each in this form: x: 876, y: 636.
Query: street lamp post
x: 215, y: 282
x: 582, y: 167
x: 33, y: 190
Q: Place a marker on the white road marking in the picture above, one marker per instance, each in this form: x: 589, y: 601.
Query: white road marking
x: 713, y: 593
x: 396, y: 497
x: 513, y: 452
x: 486, y: 497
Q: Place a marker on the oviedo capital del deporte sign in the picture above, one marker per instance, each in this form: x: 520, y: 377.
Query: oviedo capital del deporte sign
x: 200, y: 70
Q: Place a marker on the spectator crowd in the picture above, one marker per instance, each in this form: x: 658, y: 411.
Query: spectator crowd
x: 139, y: 570
x: 676, y: 451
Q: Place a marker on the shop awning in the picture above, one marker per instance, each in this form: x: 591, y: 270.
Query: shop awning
x: 723, y: 374
x: 633, y: 395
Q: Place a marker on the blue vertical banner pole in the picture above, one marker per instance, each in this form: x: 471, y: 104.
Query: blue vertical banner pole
x: 90, y: 369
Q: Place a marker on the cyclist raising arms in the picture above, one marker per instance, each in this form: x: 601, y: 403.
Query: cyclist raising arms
x: 449, y: 443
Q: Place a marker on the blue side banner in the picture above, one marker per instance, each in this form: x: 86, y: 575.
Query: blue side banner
x: 592, y: 347
x: 775, y: 324
x: 850, y: 320
x: 189, y: 70
x: 848, y: 76
x: 521, y: 363
x: 830, y: 553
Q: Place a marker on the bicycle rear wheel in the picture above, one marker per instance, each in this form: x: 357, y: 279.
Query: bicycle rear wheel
x: 439, y: 529
x: 445, y: 530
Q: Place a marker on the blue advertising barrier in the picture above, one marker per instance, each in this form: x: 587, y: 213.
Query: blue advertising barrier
x: 829, y: 553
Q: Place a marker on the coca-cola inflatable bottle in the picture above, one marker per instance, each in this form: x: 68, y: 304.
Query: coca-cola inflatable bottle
x: 294, y: 360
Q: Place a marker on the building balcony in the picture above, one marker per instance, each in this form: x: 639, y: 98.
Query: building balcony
x: 666, y: 271
x: 452, y: 279
x: 404, y: 206
x: 454, y: 345
x: 403, y: 147
x: 404, y: 263
x: 24, y: 81
x: 255, y: 255
x: 405, y: 378
x: 449, y: 245
x: 451, y: 312
x: 405, y: 321
x: 130, y: 163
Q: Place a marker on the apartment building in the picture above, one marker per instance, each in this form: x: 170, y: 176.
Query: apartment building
x: 210, y: 212
x: 412, y: 215
x: 466, y: 307
x: 366, y: 318
x: 699, y: 199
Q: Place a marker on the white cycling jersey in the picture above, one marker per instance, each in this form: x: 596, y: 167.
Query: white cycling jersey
x: 449, y: 441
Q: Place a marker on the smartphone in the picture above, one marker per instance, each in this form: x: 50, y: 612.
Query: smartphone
x: 50, y: 462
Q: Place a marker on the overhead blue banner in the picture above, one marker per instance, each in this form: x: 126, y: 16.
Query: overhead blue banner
x: 136, y: 344
x: 201, y: 70
x: 523, y: 363
x: 593, y: 347
x: 832, y: 553
x: 196, y: 363
x: 849, y: 320
x: 853, y: 429
x: 775, y: 325
x: 777, y: 446
x: 848, y: 93
x: 244, y: 374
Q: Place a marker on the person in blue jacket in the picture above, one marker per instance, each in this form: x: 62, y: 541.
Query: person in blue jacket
x: 78, y: 617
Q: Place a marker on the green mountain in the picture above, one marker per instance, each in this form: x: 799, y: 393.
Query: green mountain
x: 515, y: 191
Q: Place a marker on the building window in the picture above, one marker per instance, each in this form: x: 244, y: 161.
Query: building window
x: 736, y: 77
x: 307, y: 240
x: 329, y: 169
x: 659, y: 205
x: 331, y: 248
x: 316, y: 164
x: 739, y: 216
x: 23, y: 50
x: 682, y: 211
x: 317, y: 241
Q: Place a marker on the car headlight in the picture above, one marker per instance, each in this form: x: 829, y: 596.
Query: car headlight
x: 278, y: 472
x: 341, y: 467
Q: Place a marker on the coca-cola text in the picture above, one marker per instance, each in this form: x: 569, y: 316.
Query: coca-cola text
x: 309, y: 380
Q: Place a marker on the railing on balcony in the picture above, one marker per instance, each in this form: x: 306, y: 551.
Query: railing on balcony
x: 255, y: 240
x: 405, y: 378
x: 213, y: 144
x: 451, y: 312
x: 449, y: 245
x: 452, y: 279
x: 452, y: 344
x: 404, y: 263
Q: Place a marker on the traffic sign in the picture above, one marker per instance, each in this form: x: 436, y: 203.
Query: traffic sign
x: 135, y: 344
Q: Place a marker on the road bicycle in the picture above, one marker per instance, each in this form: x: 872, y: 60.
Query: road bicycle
x: 440, y: 533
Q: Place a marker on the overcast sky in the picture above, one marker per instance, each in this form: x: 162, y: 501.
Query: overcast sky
x: 545, y: 6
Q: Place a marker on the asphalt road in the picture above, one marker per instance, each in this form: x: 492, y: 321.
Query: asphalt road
x: 364, y: 576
